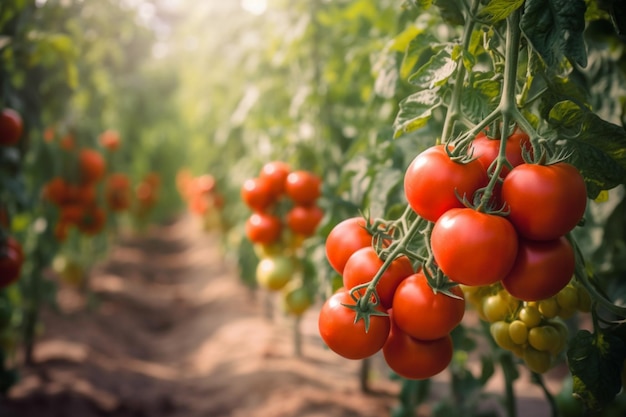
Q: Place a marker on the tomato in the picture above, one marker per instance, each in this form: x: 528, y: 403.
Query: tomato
x: 296, y: 299
x: 549, y: 308
x: 11, y: 260
x: 502, y: 336
x: 421, y: 313
x: 304, y: 219
x: 530, y: 315
x: 474, y: 248
x: 303, y: 187
x: 256, y: 193
x: 11, y: 127
x: 275, y: 272
x: 110, y: 139
x: 70, y: 271
x: 92, y: 165
x: 276, y: 173
x: 544, y: 201
x: 118, y: 192
x: 347, y: 338
x: 486, y: 149
x: 541, y: 269
x: 92, y: 220
x: 413, y: 358
x: 263, y: 228
x: 365, y: 263
x: 537, y: 361
x: 345, y: 239
x: 518, y: 332
x: 433, y: 182
x: 567, y: 298
x: 496, y: 307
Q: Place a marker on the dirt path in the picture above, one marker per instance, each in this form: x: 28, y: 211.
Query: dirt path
x: 176, y: 334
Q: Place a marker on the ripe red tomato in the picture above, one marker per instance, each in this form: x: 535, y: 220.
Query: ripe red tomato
x: 303, y: 187
x: 421, y: 313
x: 304, y: 219
x: 92, y: 165
x: 413, y: 358
x: 474, y: 248
x: 263, y: 228
x: 541, y: 269
x: 345, y: 337
x: 11, y: 127
x: 11, y: 260
x: 365, y: 263
x: 433, y: 181
x: 344, y: 239
x: 486, y: 149
x: 544, y: 201
x: 276, y: 173
x: 257, y: 193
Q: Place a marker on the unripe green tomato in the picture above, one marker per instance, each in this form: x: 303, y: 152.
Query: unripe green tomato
x: 296, y: 299
x: 530, y: 315
x: 544, y: 338
x: 495, y: 308
x: 500, y: 333
x: 536, y: 360
x: 568, y: 298
x: 263, y: 250
x: 274, y: 272
x: 518, y: 332
x: 563, y: 336
x: 548, y: 308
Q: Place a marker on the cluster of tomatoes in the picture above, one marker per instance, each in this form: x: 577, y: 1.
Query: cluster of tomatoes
x: 532, y: 330
x: 284, y: 214
x: 11, y: 253
x: 409, y: 322
x: 496, y: 226
x: 202, y: 196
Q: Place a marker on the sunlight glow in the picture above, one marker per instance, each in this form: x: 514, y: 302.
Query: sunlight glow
x: 257, y: 7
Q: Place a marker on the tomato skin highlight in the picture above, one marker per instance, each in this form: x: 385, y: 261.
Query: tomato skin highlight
x: 433, y: 180
x: 474, y: 248
x: 347, y: 338
x: 344, y: 239
x: 416, y: 359
x: 363, y: 265
x: 544, y: 201
x: 421, y: 313
x: 541, y: 269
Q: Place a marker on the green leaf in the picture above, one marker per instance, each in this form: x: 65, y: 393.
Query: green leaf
x: 498, y: 10
x: 415, y: 111
x: 382, y: 187
x: 418, y: 47
x: 450, y: 11
x: 595, y: 361
x: 554, y: 28
x: 436, y: 71
x: 598, y: 147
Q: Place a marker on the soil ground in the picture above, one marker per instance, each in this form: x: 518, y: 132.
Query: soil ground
x: 174, y: 333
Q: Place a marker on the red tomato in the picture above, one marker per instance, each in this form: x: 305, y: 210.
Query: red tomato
x: 416, y: 359
x: 303, y: 187
x: 11, y: 127
x: 263, y: 228
x: 11, y: 260
x: 276, y: 173
x: 544, y: 201
x: 541, y: 269
x: 92, y: 165
x: 347, y: 338
x: 344, y: 239
x: 474, y: 248
x: 257, y: 193
x: 433, y: 181
x: 486, y: 149
x: 304, y: 219
x: 365, y: 263
x: 421, y: 313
